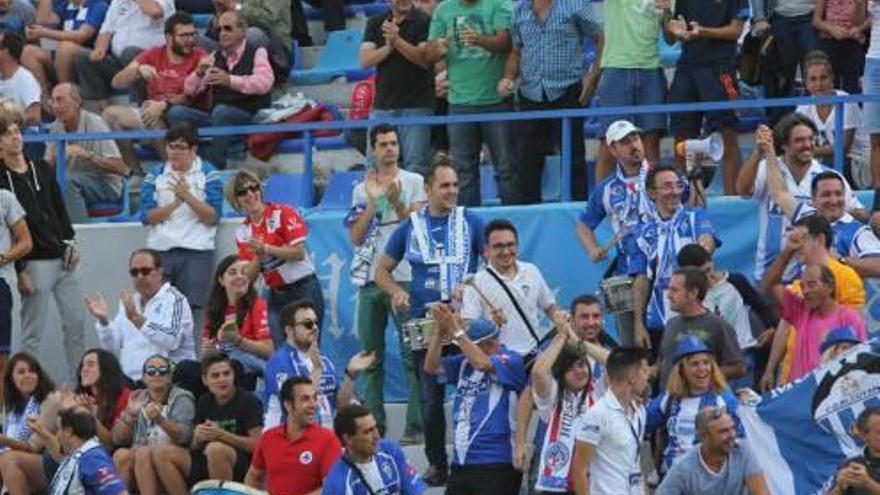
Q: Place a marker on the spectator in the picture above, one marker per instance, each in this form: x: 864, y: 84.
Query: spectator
x: 819, y: 80
x: 15, y: 243
x: 843, y: 41
x: 651, y: 248
x: 130, y: 27
x: 631, y: 74
x: 162, y: 69
x: 524, y: 298
x: 395, y: 43
x: 301, y: 356
x: 687, y: 292
x: 227, y: 423
x: 695, y: 382
x: 379, y: 203
x: 837, y: 342
x: 156, y: 319
x: 237, y: 321
x: 155, y: 428
x: 49, y: 270
x: 87, y: 466
x: 549, y: 64
x: 334, y: 18
x: 724, y: 299
x: 26, y: 386
x: 867, y: 13
x: 101, y: 387
x: 95, y: 170
x: 720, y: 465
x: 816, y: 310
x: 706, y: 71
x: 473, y: 38
x: 794, y: 135
x: 487, y: 379
x: 272, y: 237
x: 859, y: 475
x: 587, y: 321
x: 277, y: 464
x: 73, y: 25
x: 608, y: 439
x: 238, y: 79
x: 381, y: 462
x: 209, y: 40
x: 17, y: 15
x: 180, y: 205
x: 441, y: 222
x: 16, y: 82
x: 795, y: 37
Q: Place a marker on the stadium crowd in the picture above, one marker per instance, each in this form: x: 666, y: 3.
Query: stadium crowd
x: 219, y: 374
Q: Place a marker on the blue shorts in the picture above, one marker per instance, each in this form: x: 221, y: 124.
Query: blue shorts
x: 702, y: 83
x: 632, y: 87
x: 871, y: 86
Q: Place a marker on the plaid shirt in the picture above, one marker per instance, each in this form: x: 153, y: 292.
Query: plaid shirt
x: 552, y: 50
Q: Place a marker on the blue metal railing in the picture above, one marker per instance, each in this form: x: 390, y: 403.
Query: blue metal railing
x: 307, y: 128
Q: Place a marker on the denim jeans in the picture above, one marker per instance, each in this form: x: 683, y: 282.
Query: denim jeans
x: 433, y: 417
x: 465, y: 143
x: 222, y: 147
x: 84, y: 188
x: 308, y: 287
x: 796, y: 37
x: 414, y: 140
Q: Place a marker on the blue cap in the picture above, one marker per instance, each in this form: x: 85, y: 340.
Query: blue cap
x: 481, y: 329
x: 690, y: 345
x: 839, y: 335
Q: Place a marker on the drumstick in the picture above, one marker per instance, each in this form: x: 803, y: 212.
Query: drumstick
x: 469, y: 280
x: 614, y: 239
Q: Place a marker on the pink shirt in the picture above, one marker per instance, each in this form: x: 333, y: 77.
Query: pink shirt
x: 811, y: 329
x: 258, y: 83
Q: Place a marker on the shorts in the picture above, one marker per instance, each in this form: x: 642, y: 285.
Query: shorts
x: 632, y: 87
x: 871, y: 86
x: 702, y: 83
x: 199, y: 470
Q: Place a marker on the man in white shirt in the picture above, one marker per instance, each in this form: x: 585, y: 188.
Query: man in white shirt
x: 510, y: 292
x: 156, y: 319
x: 16, y: 82
x: 379, y: 203
x: 608, y: 440
x: 129, y: 27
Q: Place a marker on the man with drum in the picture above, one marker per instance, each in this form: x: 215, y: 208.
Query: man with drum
x: 623, y: 197
x: 510, y: 292
x: 652, y: 248
x: 442, y: 243
x: 379, y: 203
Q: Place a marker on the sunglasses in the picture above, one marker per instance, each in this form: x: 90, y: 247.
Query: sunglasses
x: 307, y: 323
x: 142, y: 272
x: 163, y: 370
x: 246, y: 189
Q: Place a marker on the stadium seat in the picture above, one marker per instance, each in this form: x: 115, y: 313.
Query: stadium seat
x: 202, y: 20
x: 287, y: 189
x: 488, y: 186
x: 338, y: 59
x: 338, y: 193
x: 111, y: 211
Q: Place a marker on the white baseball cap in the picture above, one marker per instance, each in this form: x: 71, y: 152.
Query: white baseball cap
x: 618, y: 130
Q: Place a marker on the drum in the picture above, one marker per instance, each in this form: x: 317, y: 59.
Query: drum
x: 617, y: 294
x: 216, y: 487
x: 418, y: 332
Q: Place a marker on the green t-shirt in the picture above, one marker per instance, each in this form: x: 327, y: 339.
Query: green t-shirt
x: 632, y: 28
x: 473, y: 71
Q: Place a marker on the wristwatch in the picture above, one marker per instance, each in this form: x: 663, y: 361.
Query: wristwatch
x: 459, y: 334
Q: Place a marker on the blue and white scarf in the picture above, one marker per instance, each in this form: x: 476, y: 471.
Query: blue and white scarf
x: 423, y: 249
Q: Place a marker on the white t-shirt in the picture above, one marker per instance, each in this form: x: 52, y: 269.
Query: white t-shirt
x: 852, y: 119
x: 11, y: 212
x: 557, y: 449
x: 22, y: 88
x: 725, y: 301
x: 532, y: 294
x: 132, y: 28
x: 617, y: 436
x: 412, y: 190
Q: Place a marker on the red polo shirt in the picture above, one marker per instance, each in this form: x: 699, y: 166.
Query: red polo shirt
x: 296, y: 467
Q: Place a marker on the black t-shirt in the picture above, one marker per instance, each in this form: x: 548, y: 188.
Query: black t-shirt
x: 713, y: 14
x: 873, y: 467
x: 399, y: 82
x: 242, y: 413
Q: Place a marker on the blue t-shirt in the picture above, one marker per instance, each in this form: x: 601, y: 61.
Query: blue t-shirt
x: 288, y: 362
x: 388, y: 474
x: 712, y: 14
x: 484, y: 406
x: 97, y: 473
x: 73, y: 17
x: 425, y: 285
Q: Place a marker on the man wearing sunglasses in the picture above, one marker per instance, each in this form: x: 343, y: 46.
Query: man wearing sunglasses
x: 300, y: 356
x: 156, y: 319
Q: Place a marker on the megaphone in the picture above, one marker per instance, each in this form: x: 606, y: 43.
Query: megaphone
x: 711, y: 148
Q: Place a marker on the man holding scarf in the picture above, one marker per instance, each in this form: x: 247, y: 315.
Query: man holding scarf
x: 442, y: 243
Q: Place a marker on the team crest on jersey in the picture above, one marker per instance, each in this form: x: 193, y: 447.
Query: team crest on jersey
x: 306, y: 457
x: 855, y: 385
x: 387, y: 469
x: 557, y: 455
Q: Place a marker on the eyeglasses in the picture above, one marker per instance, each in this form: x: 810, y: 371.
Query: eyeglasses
x: 163, y: 370
x: 227, y: 27
x: 503, y: 246
x: 307, y: 323
x: 671, y: 186
x: 142, y: 272
x: 246, y: 189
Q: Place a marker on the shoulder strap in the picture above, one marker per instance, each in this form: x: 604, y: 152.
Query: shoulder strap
x: 358, y: 472
x: 519, y: 310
